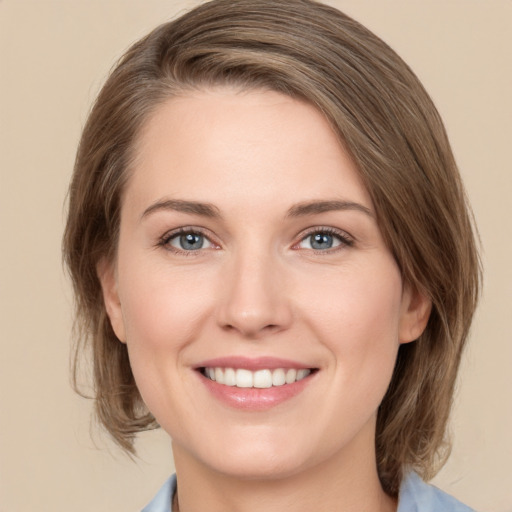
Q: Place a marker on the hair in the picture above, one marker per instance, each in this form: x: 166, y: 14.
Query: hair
x: 393, y: 132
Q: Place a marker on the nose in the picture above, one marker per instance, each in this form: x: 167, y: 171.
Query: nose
x: 254, y: 299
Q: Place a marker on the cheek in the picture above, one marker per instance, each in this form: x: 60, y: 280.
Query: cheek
x: 358, y: 307
x: 362, y: 336
x: 160, y: 308
x: 162, y: 313
x: 357, y: 319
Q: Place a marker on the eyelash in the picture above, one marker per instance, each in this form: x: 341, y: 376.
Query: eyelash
x: 344, y: 239
x: 165, y: 240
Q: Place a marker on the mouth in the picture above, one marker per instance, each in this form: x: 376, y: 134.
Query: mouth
x: 255, y: 384
x: 260, y: 379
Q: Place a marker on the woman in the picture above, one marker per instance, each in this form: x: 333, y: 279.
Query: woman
x: 274, y: 261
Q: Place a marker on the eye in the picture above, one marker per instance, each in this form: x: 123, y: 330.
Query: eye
x: 187, y: 241
x: 324, y: 239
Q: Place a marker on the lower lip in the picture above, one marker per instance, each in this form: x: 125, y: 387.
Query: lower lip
x: 255, y: 399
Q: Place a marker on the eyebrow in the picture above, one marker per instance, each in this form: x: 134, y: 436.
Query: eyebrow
x: 179, y: 205
x: 211, y: 211
x: 315, y: 207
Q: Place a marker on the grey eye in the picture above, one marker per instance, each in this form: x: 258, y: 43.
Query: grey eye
x: 189, y: 241
x: 322, y: 241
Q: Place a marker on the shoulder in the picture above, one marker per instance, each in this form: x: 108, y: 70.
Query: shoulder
x: 418, y: 496
x: 163, y: 499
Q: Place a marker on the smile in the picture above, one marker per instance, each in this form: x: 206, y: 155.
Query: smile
x: 255, y: 384
x: 261, y: 379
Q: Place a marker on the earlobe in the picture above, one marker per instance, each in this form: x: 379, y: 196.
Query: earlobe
x: 416, y: 308
x: 106, y: 274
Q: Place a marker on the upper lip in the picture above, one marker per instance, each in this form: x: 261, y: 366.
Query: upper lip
x: 248, y: 363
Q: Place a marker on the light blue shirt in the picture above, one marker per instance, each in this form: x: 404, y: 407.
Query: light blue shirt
x: 415, y: 496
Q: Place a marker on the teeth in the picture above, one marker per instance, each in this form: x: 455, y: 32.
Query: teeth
x: 262, y: 379
x: 242, y: 378
x: 229, y: 377
x: 291, y: 375
x: 278, y: 377
x: 302, y: 373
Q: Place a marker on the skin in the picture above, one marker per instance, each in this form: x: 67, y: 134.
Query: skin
x: 257, y: 288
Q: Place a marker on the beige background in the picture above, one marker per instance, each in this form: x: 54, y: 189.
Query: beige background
x: 54, y: 56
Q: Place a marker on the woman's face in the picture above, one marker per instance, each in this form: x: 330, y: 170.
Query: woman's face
x: 249, y: 253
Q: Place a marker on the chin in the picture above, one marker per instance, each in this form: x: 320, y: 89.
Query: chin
x: 264, y: 467
x: 249, y: 458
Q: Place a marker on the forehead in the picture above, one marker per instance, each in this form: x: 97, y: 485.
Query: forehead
x: 258, y: 145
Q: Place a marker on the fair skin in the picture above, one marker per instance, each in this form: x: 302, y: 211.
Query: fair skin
x: 248, y: 242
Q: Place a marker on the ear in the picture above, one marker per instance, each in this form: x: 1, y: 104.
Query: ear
x: 107, y: 276
x: 416, y: 308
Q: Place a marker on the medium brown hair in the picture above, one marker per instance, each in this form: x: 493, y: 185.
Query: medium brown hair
x: 386, y: 121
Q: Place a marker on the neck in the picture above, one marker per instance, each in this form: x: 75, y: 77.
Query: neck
x: 346, y: 482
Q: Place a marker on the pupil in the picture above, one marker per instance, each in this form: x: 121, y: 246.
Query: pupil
x: 321, y: 241
x: 190, y: 241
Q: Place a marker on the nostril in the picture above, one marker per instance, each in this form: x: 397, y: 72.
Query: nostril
x: 253, y: 311
x: 252, y: 331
